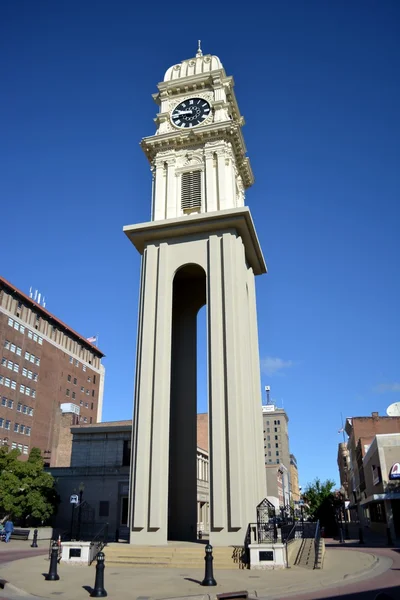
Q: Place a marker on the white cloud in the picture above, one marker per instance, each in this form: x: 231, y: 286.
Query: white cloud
x: 271, y: 365
x: 381, y: 388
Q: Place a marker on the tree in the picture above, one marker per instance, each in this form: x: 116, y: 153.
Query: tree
x: 321, y: 503
x: 27, y: 492
x: 316, y: 493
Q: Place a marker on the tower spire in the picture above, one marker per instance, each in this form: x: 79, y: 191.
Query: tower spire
x: 199, y: 50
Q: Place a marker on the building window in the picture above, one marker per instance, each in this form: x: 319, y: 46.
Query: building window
x: 94, y: 378
x: 83, y: 367
x: 85, y: 419
x: 1, y: 422
x: 87, y: 392
x: 277, y: 445
x: 69, y: 378
x: 91, y: 406
x: 75, y: 380
x: 71, y: 360
x: 104, y: 508
x: 8, y: 424
x: 73, y: 395
x: 28, y: 431
x: 89, y: 379
x: 92, y: 393
x: 67, y: 392
x: 25, y: 451
x: 191, y: 191
x: 82, y: 389
x: 19, y: 407
x: 16, y: 427
x: 86, y: 404
x: 126, y: 453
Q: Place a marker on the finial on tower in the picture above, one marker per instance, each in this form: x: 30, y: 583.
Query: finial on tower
x: 199, y: 51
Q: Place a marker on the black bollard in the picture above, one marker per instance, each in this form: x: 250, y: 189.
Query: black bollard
x: 209, y: 577
x: 34, y: 541
x: 52, y: 574
x: 361, y: 535
x: 98, y: 590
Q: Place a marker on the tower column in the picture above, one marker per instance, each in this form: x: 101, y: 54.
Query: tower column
x: 151, y: 420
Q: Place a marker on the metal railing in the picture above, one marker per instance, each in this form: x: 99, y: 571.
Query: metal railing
x: 317, y: 539
x: 100, y: 540
x: 288, y: 539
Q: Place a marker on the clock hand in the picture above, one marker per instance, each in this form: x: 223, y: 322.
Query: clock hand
x: 183, y: 112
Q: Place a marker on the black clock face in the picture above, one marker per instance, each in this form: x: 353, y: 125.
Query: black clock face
x: 190, y: 113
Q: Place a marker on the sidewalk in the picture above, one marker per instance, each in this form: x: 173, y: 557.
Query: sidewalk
x: 341, y: 567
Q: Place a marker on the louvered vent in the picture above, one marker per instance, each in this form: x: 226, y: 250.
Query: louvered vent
x: 191, y: 191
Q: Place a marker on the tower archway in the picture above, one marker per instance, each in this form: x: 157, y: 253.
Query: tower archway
x: 188, y: 296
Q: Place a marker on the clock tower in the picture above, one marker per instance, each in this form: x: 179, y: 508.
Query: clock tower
x: 200, y: 247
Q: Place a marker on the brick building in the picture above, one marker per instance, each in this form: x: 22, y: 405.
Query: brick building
x: 361, y: 432
x: 46, y: 370
x: 343, y: 461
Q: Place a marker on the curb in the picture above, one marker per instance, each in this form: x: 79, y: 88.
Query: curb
x: 332, y: 584
x: 6, y: 585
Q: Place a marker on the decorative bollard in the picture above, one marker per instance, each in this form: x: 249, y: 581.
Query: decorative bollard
x: 360, y: 535
x: 34, y: 541
x: 209, y: 577
x: 98, y: 590
x: 52, y: 574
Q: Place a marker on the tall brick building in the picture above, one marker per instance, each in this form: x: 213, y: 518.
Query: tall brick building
x: 46, y: 369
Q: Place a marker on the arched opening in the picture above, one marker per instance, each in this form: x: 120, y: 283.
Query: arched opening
x: 189, y: 295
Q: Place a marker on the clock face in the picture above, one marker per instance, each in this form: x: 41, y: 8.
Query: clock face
x: 190, y: 113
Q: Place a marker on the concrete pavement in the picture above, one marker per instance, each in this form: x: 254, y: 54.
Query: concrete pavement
x: 342, y: 566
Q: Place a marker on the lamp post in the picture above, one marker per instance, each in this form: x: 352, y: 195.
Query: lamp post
x: 81, y: 490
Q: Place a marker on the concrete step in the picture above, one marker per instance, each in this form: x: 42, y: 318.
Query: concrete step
x: 191, y: 556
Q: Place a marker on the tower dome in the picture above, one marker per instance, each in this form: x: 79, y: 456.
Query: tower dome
x: 193, y: 66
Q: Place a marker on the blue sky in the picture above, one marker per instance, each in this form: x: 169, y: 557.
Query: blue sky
x: 318, y: 84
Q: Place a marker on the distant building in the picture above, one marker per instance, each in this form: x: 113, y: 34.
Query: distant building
x: 100, y: 456
x: 343, y: 461
x: 294, y: 479
x: 276, y: 441
x: 278, y: 487
x: 361, y: 432
x: 47, y: 370
x: 381, y: 497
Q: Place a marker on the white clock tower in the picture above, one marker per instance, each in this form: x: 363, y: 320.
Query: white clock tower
x: 200, y: 248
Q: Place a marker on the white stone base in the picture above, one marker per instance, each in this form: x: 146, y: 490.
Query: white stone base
x: 85, y: 549
x: 258, y: 561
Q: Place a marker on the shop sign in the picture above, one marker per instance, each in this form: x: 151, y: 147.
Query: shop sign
x: 395, y: 471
